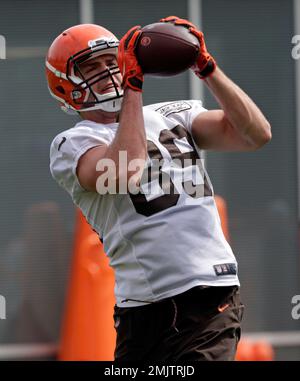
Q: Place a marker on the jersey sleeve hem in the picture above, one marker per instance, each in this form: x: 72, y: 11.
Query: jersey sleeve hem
x: 76, y: 158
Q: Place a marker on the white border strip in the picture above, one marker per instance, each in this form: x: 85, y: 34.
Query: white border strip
x: 297, y: 87
x: 26, y: 52
x: 277, y: 339
x: 86, y: 11
x: 194, y: 11
x: 27, y: 351
x: 196, y: 87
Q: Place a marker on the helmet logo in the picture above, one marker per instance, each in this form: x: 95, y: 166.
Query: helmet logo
x: 145, y: 41
x: 76, y: 94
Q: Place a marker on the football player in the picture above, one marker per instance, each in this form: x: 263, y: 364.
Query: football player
x: 177, y: 287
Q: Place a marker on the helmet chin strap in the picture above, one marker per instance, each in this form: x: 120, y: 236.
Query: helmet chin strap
x: 105, y: 103
x: 113, y: 105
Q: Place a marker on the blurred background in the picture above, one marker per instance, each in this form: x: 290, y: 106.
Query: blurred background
x: 251, y: 41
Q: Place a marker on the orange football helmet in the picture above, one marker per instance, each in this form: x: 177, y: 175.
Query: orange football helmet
x: 66, y: 82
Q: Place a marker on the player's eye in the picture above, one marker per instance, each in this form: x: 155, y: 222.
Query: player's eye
x: 90, y: 69
x: 111, y: 63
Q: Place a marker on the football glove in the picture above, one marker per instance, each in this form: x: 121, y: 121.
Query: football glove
x: 130, y: 69
x: 205, y: 64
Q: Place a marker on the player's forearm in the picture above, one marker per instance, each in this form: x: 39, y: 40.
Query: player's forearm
x: 239, y: 109
x: 131, y: 136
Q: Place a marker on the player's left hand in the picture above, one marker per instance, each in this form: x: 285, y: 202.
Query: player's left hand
x: 205, y: 63
x: 127, y: 61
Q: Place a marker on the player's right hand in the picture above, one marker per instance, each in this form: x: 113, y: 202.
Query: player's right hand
x: 205, y: 64
x: 130, y: 69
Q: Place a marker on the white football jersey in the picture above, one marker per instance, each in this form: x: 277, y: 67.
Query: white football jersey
x: 167, y: 238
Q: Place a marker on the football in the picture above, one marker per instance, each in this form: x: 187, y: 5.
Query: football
x: 165, y: 49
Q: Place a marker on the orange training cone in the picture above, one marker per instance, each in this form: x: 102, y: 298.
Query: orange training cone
x: 88, y: 329
x: 263, y: 351
x: 249, y: 350
x: 244, y: 351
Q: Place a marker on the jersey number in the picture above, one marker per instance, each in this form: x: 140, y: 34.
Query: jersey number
x: 167, y: 194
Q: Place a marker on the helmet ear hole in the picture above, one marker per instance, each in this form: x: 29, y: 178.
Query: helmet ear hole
x: 60, y: 89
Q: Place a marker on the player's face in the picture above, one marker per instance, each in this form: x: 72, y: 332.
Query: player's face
x: 95, y: 66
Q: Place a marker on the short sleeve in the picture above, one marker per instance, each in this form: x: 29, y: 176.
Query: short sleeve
x: 65, y: 151
x: 182, y: 112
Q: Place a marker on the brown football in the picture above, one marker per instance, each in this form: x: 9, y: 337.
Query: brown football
x: 165, y: 49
